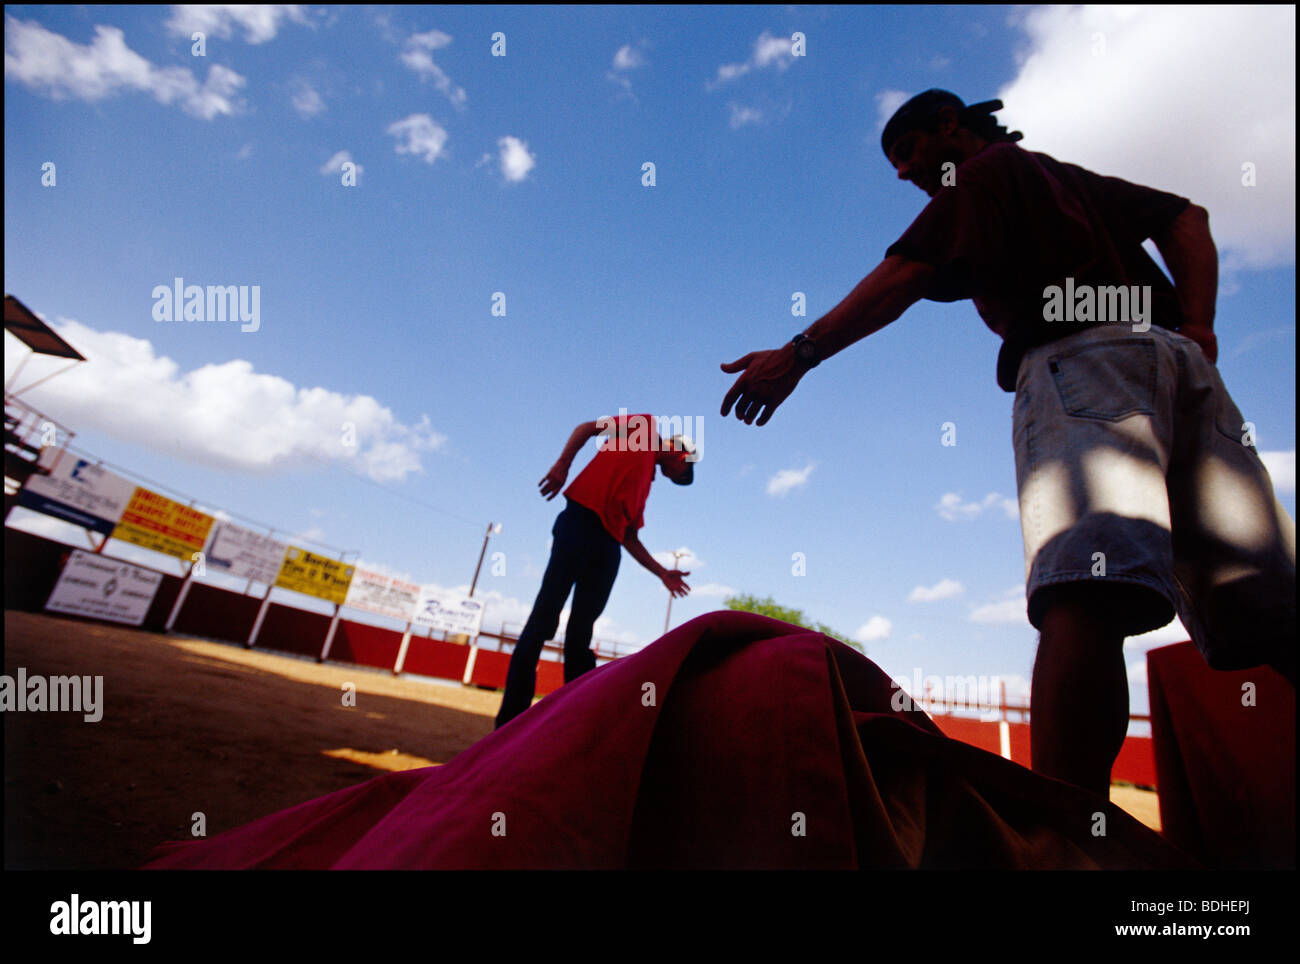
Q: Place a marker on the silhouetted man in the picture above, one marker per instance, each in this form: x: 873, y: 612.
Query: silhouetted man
x: 1138, y: 498
x: 604, y: 510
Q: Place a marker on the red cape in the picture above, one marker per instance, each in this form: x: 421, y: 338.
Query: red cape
x: 733, y: 742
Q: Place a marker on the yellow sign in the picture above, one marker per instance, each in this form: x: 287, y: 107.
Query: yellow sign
x: 156, y: 522
x: 314, y: 575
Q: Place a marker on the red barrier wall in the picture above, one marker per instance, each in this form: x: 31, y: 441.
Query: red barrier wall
x: 433, y: 657
x: 217, y: 613
x: 365, y: 645
x: 972, y: 731
x: 293, y: 630
x: 490, y: 670
x: 1135, y: 763
x: 1020, y: 743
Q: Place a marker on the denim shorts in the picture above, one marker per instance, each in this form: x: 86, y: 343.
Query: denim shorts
x: 1135, y: 470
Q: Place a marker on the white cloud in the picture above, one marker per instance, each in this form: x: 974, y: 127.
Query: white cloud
x: 335, y: 164
x: 888, y: 101
x: 943, y: 589
x: 628, y: 57
x: 1137, y: 673
x: 417, y: 57
x: 312, y: 534
x: 225, y: 414
x: 260, y: 22
x: 772, y: 51
x: 421, y: 135
x: 742, y: 116
x: 430, y: 40
x: 1175, y: 632
x: 1281, y: 469
x: 1012, y: 608
x: 769, y: 51
x: 952, y: 508
x: 51, y: 64
x: 516, y: 159
x: 1132, y: 91
x: 306, y: 101
x: 874, y: 629
x: 788, y: 479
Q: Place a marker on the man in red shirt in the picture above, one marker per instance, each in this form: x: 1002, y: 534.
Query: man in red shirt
x: 604, y: 509
x: 1141, y: 493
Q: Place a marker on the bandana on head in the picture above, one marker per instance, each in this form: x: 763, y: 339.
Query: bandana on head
x: 684, y: 451
x: 918, y: 113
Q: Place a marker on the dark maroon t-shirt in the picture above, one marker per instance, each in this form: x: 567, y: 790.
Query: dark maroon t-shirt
x: 1016, y: 222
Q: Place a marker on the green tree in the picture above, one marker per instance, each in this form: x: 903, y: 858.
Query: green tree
x: 769, y: 607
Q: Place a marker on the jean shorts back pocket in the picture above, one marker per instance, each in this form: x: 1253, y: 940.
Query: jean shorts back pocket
x: 1108, y: 380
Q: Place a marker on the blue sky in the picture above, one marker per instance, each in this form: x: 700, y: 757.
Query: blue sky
x: 522, y: 175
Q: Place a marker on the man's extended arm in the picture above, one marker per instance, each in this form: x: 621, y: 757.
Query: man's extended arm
x: 768, y: 377
x: 673, y: 579
x: 1189, y: 253
x: 553, y: 481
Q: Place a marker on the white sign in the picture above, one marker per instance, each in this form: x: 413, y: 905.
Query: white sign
x: 448, y: 613
x: 104, y: 588
x: 384, y: 595
x: 245, y: 554
x: 80, y: 492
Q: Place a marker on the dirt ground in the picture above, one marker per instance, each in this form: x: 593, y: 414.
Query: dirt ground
x: 194, y: 726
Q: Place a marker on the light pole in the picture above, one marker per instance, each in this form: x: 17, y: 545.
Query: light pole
x: 669, y: 614
x: 491, y: 531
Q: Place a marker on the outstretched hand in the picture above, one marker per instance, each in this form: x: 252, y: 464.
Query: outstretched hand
x: 767, y: 379
x: 553, y: 481
x: 674, y: 581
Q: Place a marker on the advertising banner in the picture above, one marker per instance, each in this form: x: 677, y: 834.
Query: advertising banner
x: 448, y: 613
x: 80, y: 492
x: 153, y: 521
x: 104, y: 588
x: 384, y: 595
x: 314, y: 575
x: 245, y: 554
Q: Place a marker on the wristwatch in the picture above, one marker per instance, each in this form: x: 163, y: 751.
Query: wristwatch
x: 805, y: 350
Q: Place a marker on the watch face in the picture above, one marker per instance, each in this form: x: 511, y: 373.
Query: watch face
x: 806, y: 350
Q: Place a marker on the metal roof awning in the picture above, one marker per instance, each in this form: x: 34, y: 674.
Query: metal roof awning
x: 34, y: 333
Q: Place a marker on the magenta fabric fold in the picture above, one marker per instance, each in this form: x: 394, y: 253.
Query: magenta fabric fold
x: 732, y: 742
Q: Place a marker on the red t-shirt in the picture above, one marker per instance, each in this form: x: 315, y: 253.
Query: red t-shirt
x: 616, y: 483
x: 1016, y: 222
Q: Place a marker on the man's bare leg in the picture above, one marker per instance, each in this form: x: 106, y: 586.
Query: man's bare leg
x: 1079, y: 696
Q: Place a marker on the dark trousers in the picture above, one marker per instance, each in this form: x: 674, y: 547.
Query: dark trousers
x: 584, y: 555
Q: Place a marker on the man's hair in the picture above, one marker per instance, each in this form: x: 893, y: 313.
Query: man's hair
x: 921, y: 113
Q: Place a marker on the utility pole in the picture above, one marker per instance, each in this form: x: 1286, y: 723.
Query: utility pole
x: 491, y: 531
